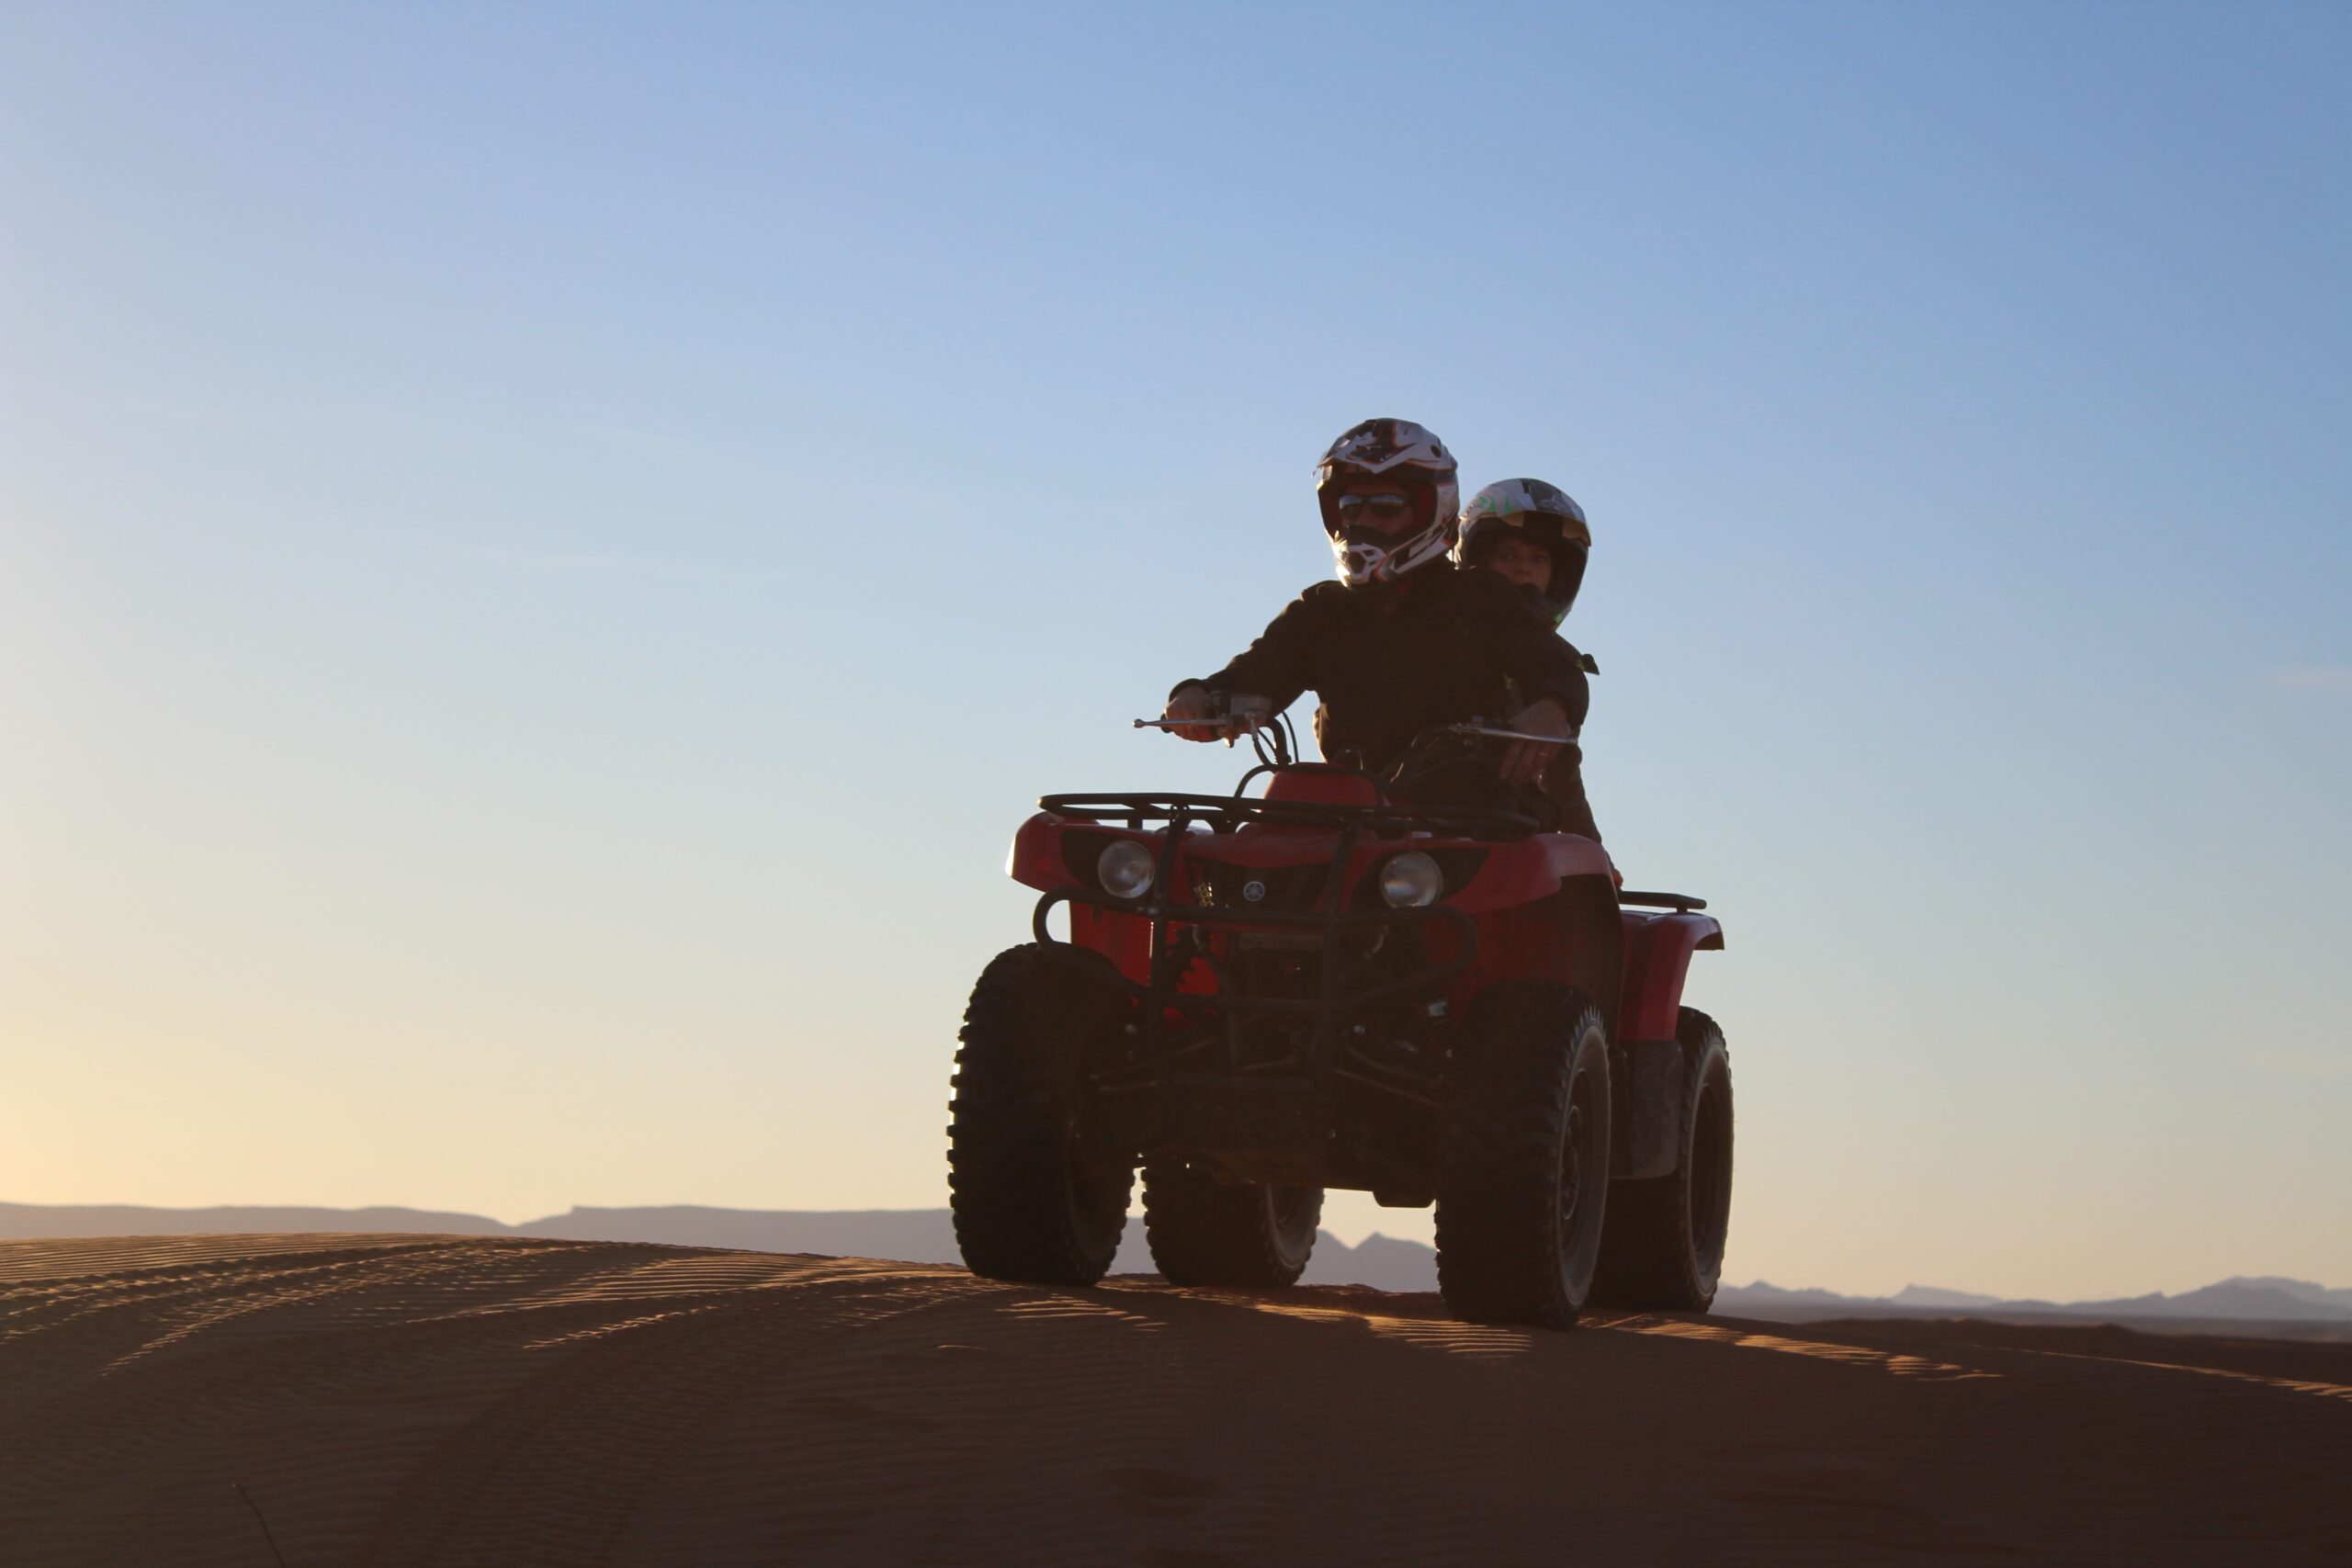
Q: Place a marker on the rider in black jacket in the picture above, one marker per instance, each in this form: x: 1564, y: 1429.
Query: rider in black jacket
x: 1403, y: 640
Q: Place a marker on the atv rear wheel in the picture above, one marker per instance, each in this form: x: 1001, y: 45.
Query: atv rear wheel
x: 1663, y: 1247
x: 1523, y: 1179
x: 1204, y: 1232
x: 1028, y: 1202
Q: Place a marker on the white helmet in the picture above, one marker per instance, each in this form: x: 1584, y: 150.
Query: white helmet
x: 1540, y: 513
x: 1399, y: 450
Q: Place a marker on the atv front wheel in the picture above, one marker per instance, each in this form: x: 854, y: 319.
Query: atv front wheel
x: 1663, y: 1247
x: 1524, y: 1178
x: 1204, y: 1232
x: 1029, y: 1203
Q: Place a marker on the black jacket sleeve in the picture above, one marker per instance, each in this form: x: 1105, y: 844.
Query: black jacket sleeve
x: 1539, y: 662
x: 1280, y: 664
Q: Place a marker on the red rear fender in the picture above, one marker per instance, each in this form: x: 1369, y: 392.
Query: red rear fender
x: 1658, y: 958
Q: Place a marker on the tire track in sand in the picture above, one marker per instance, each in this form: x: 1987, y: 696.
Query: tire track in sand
x: 155, y: 1388
x: 552, y: 1472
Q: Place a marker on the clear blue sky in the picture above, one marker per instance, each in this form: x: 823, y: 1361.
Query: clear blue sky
x: 545, y: 549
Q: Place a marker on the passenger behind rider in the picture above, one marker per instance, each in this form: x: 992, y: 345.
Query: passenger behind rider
x: 1404, y: 641
x: 1534, y: 535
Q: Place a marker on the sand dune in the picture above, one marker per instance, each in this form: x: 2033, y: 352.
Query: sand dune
x: 496, y: 1399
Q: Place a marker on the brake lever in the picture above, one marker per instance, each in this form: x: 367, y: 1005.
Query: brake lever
x: 1238, y: 725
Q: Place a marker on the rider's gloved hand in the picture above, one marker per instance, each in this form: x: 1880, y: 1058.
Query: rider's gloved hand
x: 1224, y: 715
x: 1525, y: 760
x: 1194, y: 700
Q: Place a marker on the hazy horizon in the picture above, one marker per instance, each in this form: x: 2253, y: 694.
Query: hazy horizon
x: 545, y: 551
x: 926, y: 1235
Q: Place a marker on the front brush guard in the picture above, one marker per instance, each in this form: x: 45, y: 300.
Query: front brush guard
x: 1351, y: 823
x: 1161, y: 992
x: 1267, y: 1120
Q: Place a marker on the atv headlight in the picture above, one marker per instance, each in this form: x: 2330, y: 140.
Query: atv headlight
x: 1124, y: 869
x: 1410, y: 881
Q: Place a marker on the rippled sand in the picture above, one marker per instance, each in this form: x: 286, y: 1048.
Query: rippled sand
x: 399, y: 1400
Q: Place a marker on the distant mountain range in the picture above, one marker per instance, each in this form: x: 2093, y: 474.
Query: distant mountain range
x: 925, y: 1236
x: 2268, y: 1299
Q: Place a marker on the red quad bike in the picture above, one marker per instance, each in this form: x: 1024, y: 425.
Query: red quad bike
x: 1263, y: 997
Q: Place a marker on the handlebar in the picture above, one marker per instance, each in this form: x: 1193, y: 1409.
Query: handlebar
x: 1488, y: 729
x: 1245, y: 724
x: 1283, y: 750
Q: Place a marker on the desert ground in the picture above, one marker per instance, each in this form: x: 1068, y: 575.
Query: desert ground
x: 460, y: 1399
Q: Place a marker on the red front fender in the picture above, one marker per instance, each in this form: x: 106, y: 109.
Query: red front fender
x: 1035, y: 857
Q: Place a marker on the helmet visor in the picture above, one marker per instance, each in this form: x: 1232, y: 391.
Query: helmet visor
x: 1385, y: 512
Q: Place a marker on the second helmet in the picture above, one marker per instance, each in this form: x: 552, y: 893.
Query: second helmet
x: 1543, y: 514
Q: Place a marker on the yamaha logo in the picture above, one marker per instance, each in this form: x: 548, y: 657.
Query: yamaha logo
x: 1253, y: 892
